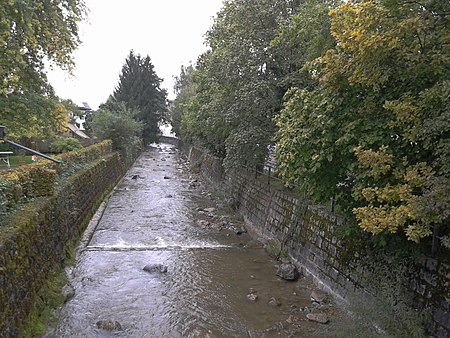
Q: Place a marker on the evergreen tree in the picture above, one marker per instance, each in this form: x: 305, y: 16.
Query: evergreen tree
x: 139, y: 88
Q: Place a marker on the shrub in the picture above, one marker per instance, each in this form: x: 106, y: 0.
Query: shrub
x: 64, y: 145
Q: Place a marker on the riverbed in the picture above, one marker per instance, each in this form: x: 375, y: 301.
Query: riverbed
x: 167, y: 257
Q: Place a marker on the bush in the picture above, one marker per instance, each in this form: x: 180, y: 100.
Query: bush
x: 117, y: 123
x: 64, y: 145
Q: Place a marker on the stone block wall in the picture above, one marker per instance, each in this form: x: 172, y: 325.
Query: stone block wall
x: 32, y: 240
x: 309, y: 235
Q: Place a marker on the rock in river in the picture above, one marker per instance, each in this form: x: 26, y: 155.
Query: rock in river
x: 155, y: 268
x: 274, y: 302
x: 317, y: 317
x: 318, y: 296
x: 109, y: 325
x: 252, y: 297
x: 67, y: 292
x: 288, y: 271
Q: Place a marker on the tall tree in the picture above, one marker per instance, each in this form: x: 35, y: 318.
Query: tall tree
x: 30, y: 33
x: 375, y: 131
x: 240, y: 81
x: 139, y: 88
x: 184, y: 89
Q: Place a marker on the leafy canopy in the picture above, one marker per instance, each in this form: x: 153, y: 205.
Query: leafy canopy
x: 374, y: 132
x: 239, y: 83
x: 33, y: 33
x: 116, y: 122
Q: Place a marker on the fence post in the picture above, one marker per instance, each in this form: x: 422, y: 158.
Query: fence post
x: 268, y: 177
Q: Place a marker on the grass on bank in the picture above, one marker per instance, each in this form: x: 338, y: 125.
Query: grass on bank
x: 15, y: 160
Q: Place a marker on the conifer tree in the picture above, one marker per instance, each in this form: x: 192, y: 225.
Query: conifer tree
x: 139, y: 88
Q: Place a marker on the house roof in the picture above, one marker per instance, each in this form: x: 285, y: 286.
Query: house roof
x: 77, y: 131
x: 84, y: 107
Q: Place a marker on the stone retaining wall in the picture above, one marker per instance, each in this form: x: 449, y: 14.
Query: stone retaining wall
x: 33, y: 239
x: 308, y: 233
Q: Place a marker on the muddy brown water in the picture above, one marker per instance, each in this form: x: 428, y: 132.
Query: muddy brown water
x: 152, y: 217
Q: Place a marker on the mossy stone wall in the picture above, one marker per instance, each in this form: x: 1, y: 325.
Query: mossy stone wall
x: 32, y: 240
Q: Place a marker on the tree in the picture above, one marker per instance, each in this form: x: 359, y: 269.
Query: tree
x: 33, y: 115
x: 30, y: 33
x: 239, y: 82
x: 202, y: 124
x: 116, y: 122
x: 374, y: 132
x: 139, y: 88
x: 184, y: 89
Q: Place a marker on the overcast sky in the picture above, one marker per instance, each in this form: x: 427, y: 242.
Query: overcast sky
x: 171, y: 32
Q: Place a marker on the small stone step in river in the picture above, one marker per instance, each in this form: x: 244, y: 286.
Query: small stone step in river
x: 169, y: 259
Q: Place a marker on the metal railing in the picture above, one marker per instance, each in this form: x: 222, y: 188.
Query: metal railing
x: 268, y: 171
x: 4, y: 131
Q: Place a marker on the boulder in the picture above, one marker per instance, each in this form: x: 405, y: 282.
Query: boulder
x: 288, y: 271
x: 318, y: 296
x: 241, y: 231
x: 67, y: 292
x: 109, y: 325
x: 317, y: 317
x: 155, y: 268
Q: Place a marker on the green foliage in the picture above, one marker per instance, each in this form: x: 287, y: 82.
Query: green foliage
x: 184, y: 89
x: 139, y: 88
x: 116, y: 122
x: 31, y: 32
x: 28, y: 114
x: 48, y: 300
x: 8, y: 195
x: 22, y: 184
x: 238, y: 84
x: 374, y: 130
x: 302, y: 38
x: 66, y: 144
x: 75, y: 160
x: 365, y: 118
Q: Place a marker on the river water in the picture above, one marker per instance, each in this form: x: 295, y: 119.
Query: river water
x: 160, y: 215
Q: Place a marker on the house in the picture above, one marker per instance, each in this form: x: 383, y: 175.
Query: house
x: 79, y: 118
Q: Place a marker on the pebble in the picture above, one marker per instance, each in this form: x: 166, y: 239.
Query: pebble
x: 252, y: 297
x: 274, y: 302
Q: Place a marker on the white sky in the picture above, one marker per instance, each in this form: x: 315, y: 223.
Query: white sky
x: 171, y: 32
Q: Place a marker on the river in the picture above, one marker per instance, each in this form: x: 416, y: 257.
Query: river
x: 159, y: 216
